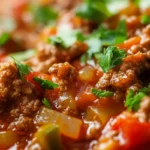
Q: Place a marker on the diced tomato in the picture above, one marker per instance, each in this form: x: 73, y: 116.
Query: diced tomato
x: 130, y: 42
x: 2, y: 56
x: 134, y: 59
x: 30, y: 78
x: 48, y: 93
x: 133, y: 132
x: 84, y: 99
x: 50, y: 31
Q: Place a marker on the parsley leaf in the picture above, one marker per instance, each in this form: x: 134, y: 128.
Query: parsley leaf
x: 112, y: 37
x: 44, y: 15
x: 46, y: 103
x: 23, y: 55
x: 101, y: 93
x: 133, y: 100
x: 136, y: 2
x: 145, y: 90
x: 111, y: 58
x: 94, y: 46
x: 145, y: 19
x: 45, y: 84
x: 56, y: 40
x: 4, y: 38
x: 104, y: 37
x: 66, y: 38
x: 94, y: 10
x: 23, y: 69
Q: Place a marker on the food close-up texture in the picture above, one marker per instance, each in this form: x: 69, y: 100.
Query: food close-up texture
x: 75, y: 75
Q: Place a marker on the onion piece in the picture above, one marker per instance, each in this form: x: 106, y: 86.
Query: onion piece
x: 69, y: 126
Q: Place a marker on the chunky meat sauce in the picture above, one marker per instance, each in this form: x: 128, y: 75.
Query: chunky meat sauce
x: 74, y: 75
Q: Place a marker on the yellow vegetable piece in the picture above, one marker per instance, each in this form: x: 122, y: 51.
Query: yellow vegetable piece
x: 48, y: 137
x: 69, y: 126
x: 8, y: 139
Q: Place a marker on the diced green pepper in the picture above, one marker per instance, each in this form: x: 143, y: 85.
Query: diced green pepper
x: 48, y: 137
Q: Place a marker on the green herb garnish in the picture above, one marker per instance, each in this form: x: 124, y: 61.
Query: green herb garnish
x: 23, y: 69
x: 112, y: 37
x: 66, y: 38
x: 20, y: 56
x: 45, y: 84
x: 45, y: 15
x: 95, y: 10
x: 111, y: 58
x: 104, y: 37
x: 4, y: 38
x: 133, y: 100
x: 57, y: 41
x: 145, y: 19
x: 46, y: 103
x: 102, y: 93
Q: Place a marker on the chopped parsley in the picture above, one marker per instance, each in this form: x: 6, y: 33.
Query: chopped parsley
x: 23, y: 69
x: 66, y: 38
x: 45, y: 84
x: 46, y: 103
x: 112, y: 37
x: 102, y: 93
x: 111, y: 58
x: 136, y: 2
x: 56, y: 40
x: 94, y: 10
x: 23, y: 55
x: 145, y: 19
x: 104, y: 37
x: 45, y: 15
x: 4, y: 38
x: 133, y: 100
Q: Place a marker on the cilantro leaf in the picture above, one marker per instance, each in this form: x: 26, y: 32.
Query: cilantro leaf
x: 112, y: 37
x: 111, y: 58
x: 46, y: 103
x: 57, y: 41
x: 23, y: 69
x: 94, y: 10
x: 104, y: 37
x: 94, y: 46
x: 145, y: 90
x: 44, y: 15
x: 145, y: 19
x: 66, y: 38
x: 102, y: 93
x: 45, y: 84
x: 133, y: 100
x: 4, y: 38
x: 136, y: 2
x: 23, y: 55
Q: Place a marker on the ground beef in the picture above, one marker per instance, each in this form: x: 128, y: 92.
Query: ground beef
x: 63, y: 71
x: 127, y: 74
x: 48, y: 55
x: 18, y: 97
x: 21, y: 124
x: 8, y: 73
x: 67, y: 76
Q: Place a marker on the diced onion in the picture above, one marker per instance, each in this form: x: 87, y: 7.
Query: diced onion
x: 87, y: 73
x: 69, y: 126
